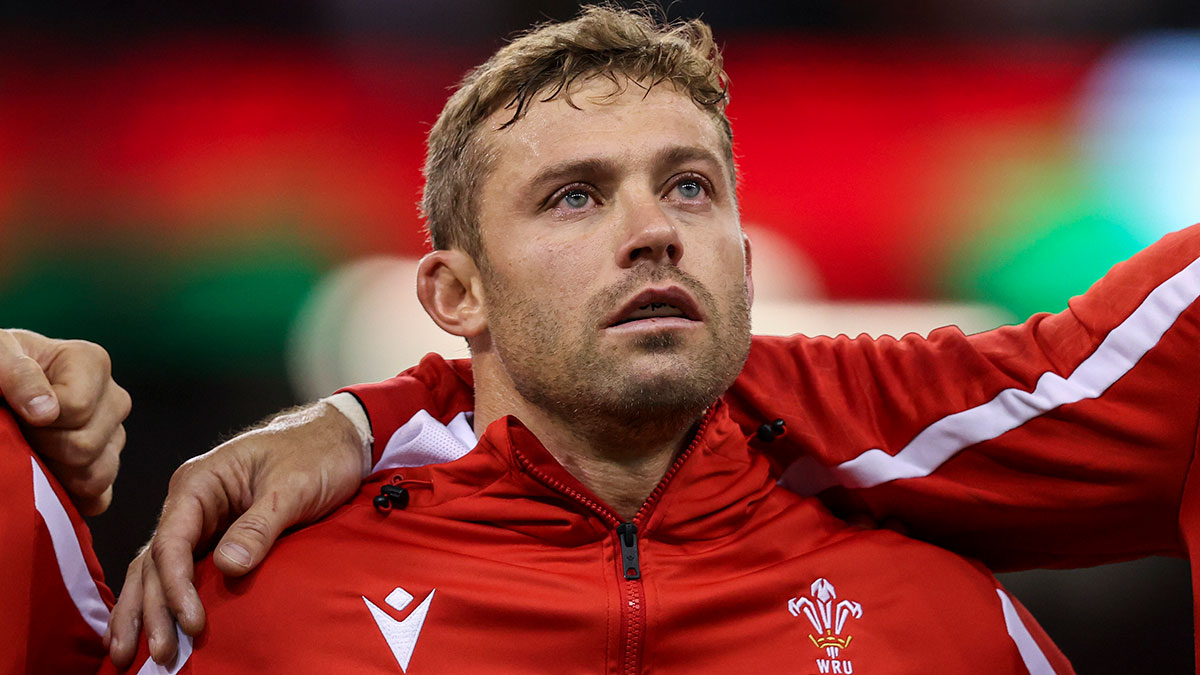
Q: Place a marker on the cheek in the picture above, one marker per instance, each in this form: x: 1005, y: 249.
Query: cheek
x: 727, y: 261
x: 551, y: 274
x: 566, y: 282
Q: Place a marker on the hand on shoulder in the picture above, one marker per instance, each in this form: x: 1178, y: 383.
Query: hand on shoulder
x: 72, y: 410
x: 292, y: 470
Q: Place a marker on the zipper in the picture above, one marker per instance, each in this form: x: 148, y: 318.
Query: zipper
x: 627, y: 538
x: 633, y: 616
x: 633, y: 600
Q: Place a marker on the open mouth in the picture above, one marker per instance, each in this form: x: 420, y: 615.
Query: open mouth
x: 653, y: 310
x: 664, y: 303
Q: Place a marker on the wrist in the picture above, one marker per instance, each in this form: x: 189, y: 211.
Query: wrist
x: 350, y: 408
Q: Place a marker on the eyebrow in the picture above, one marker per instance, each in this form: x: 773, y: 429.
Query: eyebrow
x: 597, y: 168
x: 573, y: 169
x: 682, y: 154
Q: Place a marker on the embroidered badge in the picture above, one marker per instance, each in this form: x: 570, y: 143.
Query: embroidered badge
x: 828, y: 618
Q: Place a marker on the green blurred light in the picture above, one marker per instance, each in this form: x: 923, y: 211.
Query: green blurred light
x: 1047, y: 239
x: 220, y: 307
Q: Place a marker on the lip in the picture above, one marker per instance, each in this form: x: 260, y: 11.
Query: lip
x: 671, y: 295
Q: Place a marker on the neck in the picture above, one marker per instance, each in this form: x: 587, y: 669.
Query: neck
x: 619, y: 462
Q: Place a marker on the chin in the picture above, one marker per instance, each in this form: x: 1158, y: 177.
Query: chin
x: 671, y: 387
x: 658, y: 370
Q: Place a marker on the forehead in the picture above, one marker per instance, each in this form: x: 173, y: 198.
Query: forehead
x: 596, y: 123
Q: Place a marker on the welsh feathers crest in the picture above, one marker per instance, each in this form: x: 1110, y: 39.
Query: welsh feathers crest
x: 827, y: 616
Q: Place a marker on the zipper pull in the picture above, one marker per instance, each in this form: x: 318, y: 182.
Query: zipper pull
x: 627, y: 535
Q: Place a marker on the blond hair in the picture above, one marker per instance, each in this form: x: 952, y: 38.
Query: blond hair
x: 542, y: 64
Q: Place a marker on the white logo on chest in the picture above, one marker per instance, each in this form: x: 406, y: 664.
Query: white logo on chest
x: 401, y: 636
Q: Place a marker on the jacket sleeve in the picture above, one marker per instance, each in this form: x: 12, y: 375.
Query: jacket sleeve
x: 55, y: 604
x: 1064, y: 441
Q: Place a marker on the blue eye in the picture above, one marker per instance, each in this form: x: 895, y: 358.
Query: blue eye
x: 576, y: 199
x: 690, y: 189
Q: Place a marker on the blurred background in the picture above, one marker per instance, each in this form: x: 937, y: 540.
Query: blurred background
x: 224, y: 196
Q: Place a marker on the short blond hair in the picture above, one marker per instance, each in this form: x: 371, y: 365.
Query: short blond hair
x: 542, y: 64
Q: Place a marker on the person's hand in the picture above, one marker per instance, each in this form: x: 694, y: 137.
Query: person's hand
x: 297, y: 468
x: 73, y: 410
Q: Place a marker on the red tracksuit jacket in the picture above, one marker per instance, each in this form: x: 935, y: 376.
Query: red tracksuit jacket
x: 53, y: 602
x: 496, y: 560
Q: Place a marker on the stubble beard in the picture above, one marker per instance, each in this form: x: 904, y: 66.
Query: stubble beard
x: 600, y: 392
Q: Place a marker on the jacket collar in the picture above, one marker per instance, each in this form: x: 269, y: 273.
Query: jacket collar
x: 510, y: 479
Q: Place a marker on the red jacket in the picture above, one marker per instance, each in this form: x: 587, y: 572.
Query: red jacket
x: 496, y: 559
x: 53, y: 602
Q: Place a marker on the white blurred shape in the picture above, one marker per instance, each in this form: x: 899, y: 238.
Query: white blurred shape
x: 1141, y: 131
x: 781, y: 270
x: 873, y: 318
x: 788, y: 299
x: 363, y: 323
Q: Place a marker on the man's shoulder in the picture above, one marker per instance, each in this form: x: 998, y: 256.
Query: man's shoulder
x: 440, y: 386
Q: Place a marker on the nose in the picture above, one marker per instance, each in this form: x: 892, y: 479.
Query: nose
x: 651, y: 236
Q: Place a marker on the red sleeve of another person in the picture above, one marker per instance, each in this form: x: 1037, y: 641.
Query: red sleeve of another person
x: 1063, y: 441
x: 54, y: 602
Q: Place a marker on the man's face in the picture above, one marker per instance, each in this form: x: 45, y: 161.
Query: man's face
x: 614, y: 271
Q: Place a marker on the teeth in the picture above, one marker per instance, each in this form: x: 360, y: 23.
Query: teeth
x: 654, y: 309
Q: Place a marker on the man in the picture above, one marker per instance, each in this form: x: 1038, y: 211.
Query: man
x: 596, y: 509
x: 1065, y: 441
x: 55, y: 602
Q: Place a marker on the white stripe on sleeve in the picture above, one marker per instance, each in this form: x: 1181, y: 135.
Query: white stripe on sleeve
x: 1121, y: 349
x: 1035, y: 661
x: 67, y: 553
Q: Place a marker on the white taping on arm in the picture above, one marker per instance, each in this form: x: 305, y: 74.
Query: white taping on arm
x: 351, y: 409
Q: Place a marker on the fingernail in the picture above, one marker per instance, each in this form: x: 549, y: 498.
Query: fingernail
x: 154, y: 642
x: 236, y: 554
x: 41, y: 406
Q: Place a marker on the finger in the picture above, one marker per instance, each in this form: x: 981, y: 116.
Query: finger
x: 125, y: 623
x: 172, y: 550
x: 81, y: 374
x: 92, y: 488
x: 247, y: 541
x: 78, y: 447
x: 24, y: 385
x: 160, y: 627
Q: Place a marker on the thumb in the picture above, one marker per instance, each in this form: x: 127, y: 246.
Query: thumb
x: 23, y: 383
x: 247, y: 541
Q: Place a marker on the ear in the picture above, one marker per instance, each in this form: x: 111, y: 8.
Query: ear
x: 749, y: 277
x: 451, y: 291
